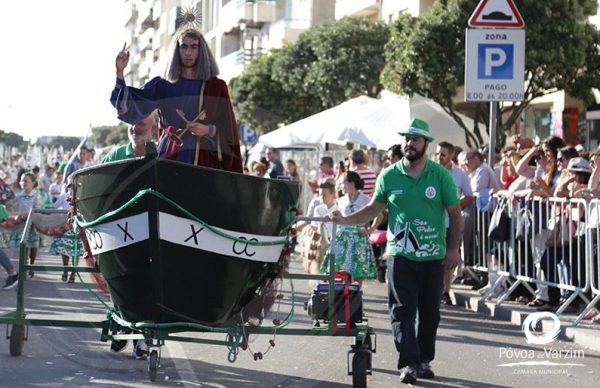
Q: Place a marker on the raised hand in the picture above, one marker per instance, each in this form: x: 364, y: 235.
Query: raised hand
x: 122, y: 60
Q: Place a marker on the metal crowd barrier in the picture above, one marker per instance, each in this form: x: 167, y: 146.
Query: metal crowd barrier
x: 593, y: 237
x: 488, y: 255
x: 555, y: 246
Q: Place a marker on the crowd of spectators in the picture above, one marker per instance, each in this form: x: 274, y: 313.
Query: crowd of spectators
x: 523, y: 171
x: 27, y: 185
x: 534, y: 177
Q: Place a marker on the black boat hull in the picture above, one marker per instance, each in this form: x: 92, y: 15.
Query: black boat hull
x: 163, y: 266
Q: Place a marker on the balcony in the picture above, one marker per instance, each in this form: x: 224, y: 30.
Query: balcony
x: 130, y: 13
x: 147, y: 64
x: 284, y: 31
x: 366, y: 8
x: 231, y: 65
x: 156, y: 11
x: 145, y: 39
x: 131, y: 41
x: 263, y: 11
x: 145, y: 19
x: 234, y: 13
x: 157, y: 40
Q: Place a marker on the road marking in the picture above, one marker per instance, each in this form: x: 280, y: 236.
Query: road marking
x: 183, y: 366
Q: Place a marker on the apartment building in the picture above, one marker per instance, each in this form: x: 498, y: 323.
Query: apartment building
x: 386, y: 10
x: 236, y: 30
x: 239, y: 30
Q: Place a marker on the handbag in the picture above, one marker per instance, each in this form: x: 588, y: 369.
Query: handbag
x: 562, y: 228
x: 524, y: 222
x: 499, y: 230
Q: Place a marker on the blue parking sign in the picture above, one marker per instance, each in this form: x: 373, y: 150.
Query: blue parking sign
x: 495, y: 65
x: 495, y: 61
x: 247, y: 134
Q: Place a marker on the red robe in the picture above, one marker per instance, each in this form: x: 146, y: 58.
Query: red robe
x: 134, y: 104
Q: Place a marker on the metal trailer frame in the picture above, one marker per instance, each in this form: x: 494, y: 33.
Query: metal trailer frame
x: 155, y: 335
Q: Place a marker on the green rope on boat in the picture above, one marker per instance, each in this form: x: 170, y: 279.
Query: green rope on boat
x: 80, y: 222
x: 85, y: 284
x: 111, y: 313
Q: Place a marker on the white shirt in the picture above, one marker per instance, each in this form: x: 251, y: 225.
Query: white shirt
x: 322, y: 211
x: 346, y: 206
x: 484, y: 178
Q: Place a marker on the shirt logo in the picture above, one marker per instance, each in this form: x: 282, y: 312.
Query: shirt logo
x: 430, y: 192
x: 397, y: 192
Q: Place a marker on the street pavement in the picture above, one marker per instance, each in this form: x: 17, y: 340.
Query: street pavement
x: 472, y: 350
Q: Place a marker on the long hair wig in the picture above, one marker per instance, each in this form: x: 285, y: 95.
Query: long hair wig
x: 206, y: 65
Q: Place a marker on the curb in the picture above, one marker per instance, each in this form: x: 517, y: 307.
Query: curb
x: 585, y: 334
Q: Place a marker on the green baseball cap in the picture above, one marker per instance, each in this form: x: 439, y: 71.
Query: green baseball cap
x: 417, y: 127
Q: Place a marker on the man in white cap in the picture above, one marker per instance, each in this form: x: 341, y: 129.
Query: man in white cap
x: 417, y: 192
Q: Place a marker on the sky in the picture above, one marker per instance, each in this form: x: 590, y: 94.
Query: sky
x: 57, y: 65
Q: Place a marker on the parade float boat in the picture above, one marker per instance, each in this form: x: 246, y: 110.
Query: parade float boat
x: 177, y: 242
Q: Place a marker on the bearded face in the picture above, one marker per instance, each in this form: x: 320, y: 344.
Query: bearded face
x: 414, y: 147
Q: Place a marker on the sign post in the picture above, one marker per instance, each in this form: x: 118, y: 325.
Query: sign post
x: 495, y: 59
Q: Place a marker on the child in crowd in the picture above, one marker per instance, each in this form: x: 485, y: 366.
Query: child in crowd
x: 25, y: 200
x: 67, y: 245
x: 56, y: 186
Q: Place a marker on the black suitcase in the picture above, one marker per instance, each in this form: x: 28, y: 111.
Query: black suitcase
x: 318, y: 305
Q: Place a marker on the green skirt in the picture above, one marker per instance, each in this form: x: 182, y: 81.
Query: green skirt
x: 65, y: 245
x: 13, y: 239
x: 352, y: 253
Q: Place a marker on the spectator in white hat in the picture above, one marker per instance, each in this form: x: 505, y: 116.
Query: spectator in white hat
x: 581, y: 170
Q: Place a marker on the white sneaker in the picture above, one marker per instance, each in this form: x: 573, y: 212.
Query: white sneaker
x: 140, y: 350
x: 11, y: 281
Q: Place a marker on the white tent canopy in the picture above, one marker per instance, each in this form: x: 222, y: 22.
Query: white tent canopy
x: 336, y: 125
x: 370, y: 122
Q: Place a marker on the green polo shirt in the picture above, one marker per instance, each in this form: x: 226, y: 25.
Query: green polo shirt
x: 416, y: 228
x: 124, y: 151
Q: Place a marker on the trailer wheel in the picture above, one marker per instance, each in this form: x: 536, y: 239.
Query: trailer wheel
x: 17, y: 340
x: 360, y: 362
x: 368, y: 345
x: 152, y: 365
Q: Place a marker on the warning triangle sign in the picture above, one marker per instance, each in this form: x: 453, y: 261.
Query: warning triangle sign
x: 496, y: 13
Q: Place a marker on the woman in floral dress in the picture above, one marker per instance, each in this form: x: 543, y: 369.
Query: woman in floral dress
x: 352, y: 251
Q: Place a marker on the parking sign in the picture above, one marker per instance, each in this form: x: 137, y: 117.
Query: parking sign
x: 247, y: 134
x: 495, y: 65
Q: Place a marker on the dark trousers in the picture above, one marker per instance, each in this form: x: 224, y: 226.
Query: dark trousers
x: 413, y: 287
x: 554, y: 259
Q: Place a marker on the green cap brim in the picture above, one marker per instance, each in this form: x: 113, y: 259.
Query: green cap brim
x: 417, y: 132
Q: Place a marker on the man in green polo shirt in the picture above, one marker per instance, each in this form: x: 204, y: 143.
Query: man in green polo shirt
x: 417, y: 192
x: 138, y: 134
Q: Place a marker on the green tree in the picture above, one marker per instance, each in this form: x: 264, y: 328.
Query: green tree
x: 12, y: 139
x: 427, y: 56
x: 329, y: 64
x: 67, y: 142
x: 259, y: 100
x: 108, y: 135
